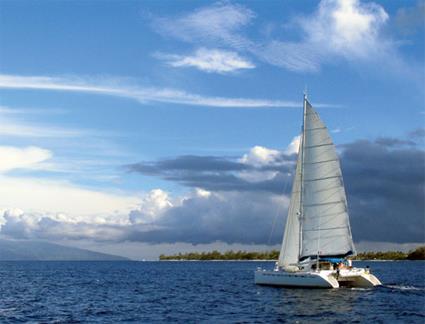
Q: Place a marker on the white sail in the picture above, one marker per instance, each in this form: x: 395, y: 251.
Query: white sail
x: 289, y: 252
x: 325, y: 227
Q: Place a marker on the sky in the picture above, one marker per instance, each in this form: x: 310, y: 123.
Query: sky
x: 146, y: 127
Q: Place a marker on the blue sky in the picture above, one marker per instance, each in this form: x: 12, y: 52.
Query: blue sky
x: 91, y: 89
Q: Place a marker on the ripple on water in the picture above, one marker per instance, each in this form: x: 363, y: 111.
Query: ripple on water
x: 218, y: 292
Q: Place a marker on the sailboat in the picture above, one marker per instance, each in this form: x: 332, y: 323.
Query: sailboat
x: 317, y: 241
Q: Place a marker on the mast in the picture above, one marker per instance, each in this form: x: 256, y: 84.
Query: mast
x: 302, y: 172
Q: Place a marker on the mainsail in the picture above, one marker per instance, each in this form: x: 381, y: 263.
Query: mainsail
x: 317, y: 222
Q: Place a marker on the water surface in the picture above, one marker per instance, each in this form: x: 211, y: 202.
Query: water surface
x: 216, y: 292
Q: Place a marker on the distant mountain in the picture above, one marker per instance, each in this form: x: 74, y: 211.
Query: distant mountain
x: 43, y: 251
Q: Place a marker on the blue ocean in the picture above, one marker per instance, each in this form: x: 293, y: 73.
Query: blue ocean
x: 194, y: 292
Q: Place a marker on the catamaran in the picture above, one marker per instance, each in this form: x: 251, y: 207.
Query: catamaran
x: 317, y: 240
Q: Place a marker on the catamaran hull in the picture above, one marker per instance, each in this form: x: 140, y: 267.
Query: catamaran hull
x: 295, y: 279
x: 362, y: 280
x: 322, y: 279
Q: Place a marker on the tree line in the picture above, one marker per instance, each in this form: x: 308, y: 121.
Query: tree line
x: 417, y: 254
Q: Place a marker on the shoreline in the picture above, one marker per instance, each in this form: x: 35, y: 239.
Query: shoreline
x: 364, y: 260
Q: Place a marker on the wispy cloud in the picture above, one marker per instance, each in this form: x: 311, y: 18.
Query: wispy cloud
x: 22, y: 158
x: 16, y: 128
x: 345, y: 29
x: 220, y: 22
x: 113, y: 87
x: 5, y: 110
x: 209, y: 60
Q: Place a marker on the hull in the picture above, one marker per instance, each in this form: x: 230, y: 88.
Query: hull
x: 295, y: 279
x: 322, y: 279
x: 357, y: 277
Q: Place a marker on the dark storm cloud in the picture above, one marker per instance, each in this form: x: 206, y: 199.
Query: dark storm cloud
x: 384, y: 181
x: 219, y: 173
x: 385, y: 187
x: 188, y: 163
x: 393, y: 142
x: 232, y: 218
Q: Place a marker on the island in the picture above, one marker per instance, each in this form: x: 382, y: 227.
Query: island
x: 416, y: 254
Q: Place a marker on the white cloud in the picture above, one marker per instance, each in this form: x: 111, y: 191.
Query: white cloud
x: 202, y: 193
x: 22, y: 158
x: 5, y: 110
x: 194, y: 219
x: 116, y: 88
x: 13, y: 127
x: 210, y: 60
x: 151, y: 207
x: 294, y: 146
x: 346, y: 29
x: 218, y: 22
x: 51, y: 196
x: 259, y: 156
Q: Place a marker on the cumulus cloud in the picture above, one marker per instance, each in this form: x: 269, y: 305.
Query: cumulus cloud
x: 197, y: 218
x: 384, y: 181
x: 151, y: 208
x: 260, y: 155
x: 228, y: 217
x: 210, y: 60
x: 18, y: 224
x: 347, y: 27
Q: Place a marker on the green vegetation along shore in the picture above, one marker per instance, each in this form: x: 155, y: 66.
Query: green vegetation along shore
x: 417, y: 254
